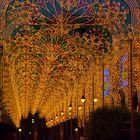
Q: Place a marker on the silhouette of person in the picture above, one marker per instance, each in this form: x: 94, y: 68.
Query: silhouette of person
x: 122, y: 96
x: 135, y: 100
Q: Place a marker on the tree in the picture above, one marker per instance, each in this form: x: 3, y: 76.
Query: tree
x: 111, y: 124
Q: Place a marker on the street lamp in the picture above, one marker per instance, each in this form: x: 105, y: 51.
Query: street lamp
x: 70, y: 113
x: 83, y: 101
x: 62, y: 113
x: 95, y: 100
x: 76, y: 131
x: 70, y: 107
x: 79, y: 107
x: 56, y: 117
x: 19, y: 129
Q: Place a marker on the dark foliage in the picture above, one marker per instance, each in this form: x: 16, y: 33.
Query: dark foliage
x: 112, y: 124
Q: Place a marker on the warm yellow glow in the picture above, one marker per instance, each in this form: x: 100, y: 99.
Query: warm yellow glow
x: 95, y: 100
x: 19, y: 129
x: 76, y: 129
x: 69, y: 113
x: 62, y: 113
x: 80, y: 108
x: 70, y: 108
x: 82, y: 99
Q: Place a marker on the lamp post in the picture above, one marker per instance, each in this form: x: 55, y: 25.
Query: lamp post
x: 93, y: 91
x: 76, y: 131
x: 70, y: 111
x: 20, y: 131
x: 94, y: 97
x: 70, y: 107
x: 83, y: 101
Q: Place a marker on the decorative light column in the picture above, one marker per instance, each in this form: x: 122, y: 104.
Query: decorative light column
x: 131, y: 90
x: 103, y: 84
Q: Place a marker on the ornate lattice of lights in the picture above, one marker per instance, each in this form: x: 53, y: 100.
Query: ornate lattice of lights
x: 24, y: 72
x: 57, y: 15
x: 31, y: 67
x: 25, y: 12
x: 73, y: 66
x: 11, y: 100
x: 40, y: 62
x: 121, y: 47
x: 69, y: 4
x: 135, y: 37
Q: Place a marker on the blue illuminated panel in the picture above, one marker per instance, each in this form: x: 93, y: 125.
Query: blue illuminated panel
x: 123, y: 70
x: 106, y: 82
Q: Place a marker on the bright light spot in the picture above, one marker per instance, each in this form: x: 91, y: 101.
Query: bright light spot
x: 76, y: 129
x: 62, y: 113
x: 30, y: 133
x: 95, y: 100
x: 70, y: 108
x: 69, y: 113
x: 82, y: 100
x: 33, y: 121
x: 19, y: 129
x: 80, y: 108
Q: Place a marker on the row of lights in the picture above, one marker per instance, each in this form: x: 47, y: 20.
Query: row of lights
x: 62, y: 113
x: 70, y: 108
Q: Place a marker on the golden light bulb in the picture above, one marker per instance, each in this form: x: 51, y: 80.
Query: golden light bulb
x: 83, y: 99
x: 80, y: 108
x: 62, y: 113
x: 95, y: 100
x: 76, y: 129
x: 69, y: 113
